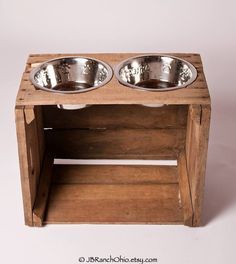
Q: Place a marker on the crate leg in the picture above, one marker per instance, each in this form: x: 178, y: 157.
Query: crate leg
x: 29, y: 155
x: 196, y: 155
x: 43, y: 190
x: 185, y: 194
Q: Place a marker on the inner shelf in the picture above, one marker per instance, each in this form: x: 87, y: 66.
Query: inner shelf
x: 137, y: 194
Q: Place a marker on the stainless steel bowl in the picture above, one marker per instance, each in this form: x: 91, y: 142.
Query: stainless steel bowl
x: 155, y: 73
x: 69, y: 75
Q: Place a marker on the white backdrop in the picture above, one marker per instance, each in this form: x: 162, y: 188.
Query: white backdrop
x: 203, y: 26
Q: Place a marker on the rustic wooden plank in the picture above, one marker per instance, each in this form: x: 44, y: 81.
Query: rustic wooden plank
x: 185, y: 190
x: 40, y: 132
x: 188, y: 135
x: 198, y: 156
x: 197, y: 161
x: 194, y: 119
x: 25, y: 170
x: 103, y: 95
x: 114, y: 92
x: 110, y: 174
x: 33, y: 142
x: 116, y: 143
x: 115, y: 57
x: 116, y: 116
x: 192, y: 142
x: 22, y: 91
x: 43, y: 191
x: 29, y: 157
x: 118, y: 203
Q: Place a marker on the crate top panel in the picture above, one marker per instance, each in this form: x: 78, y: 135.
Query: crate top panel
x: 113, y: 92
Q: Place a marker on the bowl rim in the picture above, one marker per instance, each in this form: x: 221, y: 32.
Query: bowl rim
x: 37, y: 68
x: 126, y: 61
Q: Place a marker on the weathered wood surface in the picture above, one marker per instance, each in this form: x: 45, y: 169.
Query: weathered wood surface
x: 113, y: 92
x: 116, y: 143
x: 196, y: 153
x: 114, y: 203
x: 116, y: 116
x: 116, y: 126
x: 184, y: 187
x: 40, y: 131
x: 29, y: 157
x: 114, y: 174
x: 43, y: 191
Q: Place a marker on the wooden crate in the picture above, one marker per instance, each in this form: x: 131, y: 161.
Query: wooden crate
x: 116, y: 126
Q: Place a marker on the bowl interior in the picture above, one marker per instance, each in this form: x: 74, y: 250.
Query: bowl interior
x: 156, y: 72
x: 72, y: 74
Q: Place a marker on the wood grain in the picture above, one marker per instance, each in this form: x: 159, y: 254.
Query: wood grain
x: 116, y: 116
x: 28, y: 147
x: 185, y: 190
x: 40, y: 132
x: 114, y: 174
x: 197, y: 157
x: 33, y: 144
x: 116, y: 143
x: 29, y: 156
x: 43, y: 191
x: 98, y: 203
x: 114, y: 92
x: 114, y: 194
x: 25, y: 170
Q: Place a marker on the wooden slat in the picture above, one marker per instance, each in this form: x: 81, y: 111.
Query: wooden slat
x: 197, y: 156
x: 33, y: 143
x: 116, y: 116
x: 110, y: 174
x: 120, y: 143
x: 40, y: 132
x: 104, y: 96
x: 28, y: 145
x: 39, y: 58
x: 114, y: 194
x: 22, y: 91
x: 188, y: 135
x: 43, y: 191
x: 185, y: 190
x: 25, y: 167
x: 114, y: 92
x: 97, y: 203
